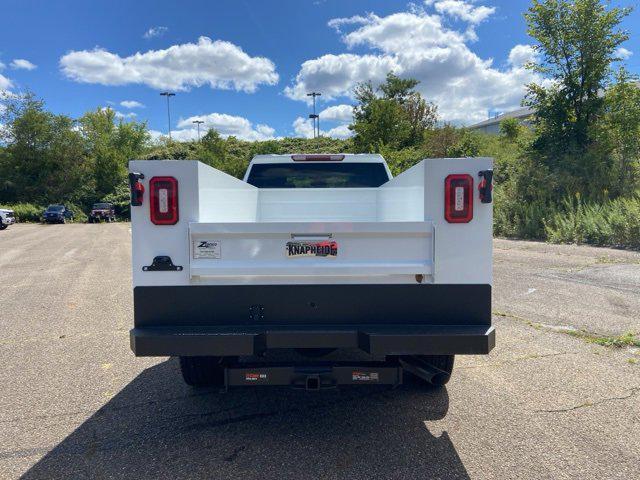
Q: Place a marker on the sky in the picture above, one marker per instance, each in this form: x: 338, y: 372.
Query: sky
x: 244, y: 67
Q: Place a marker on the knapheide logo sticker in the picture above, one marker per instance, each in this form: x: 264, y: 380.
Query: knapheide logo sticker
x: 325, y: 248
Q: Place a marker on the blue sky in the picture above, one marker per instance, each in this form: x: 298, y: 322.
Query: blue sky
x: 244, y: 66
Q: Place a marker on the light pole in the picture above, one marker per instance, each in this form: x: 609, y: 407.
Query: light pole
x: 198, y: 123
x: 168, y: 94
x: 315, y: 117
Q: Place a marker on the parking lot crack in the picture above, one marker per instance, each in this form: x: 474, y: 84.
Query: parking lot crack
x: 532, y: 356
x: 631, y: 392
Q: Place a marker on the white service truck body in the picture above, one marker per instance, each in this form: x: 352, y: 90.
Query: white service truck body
x: 223, y: 268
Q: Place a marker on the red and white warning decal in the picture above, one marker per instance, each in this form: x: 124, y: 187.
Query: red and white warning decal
x: 359, y: 376
x: 254, y: 376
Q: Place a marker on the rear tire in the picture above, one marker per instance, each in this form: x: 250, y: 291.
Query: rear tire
x: 203, y: 371
x: 3, y: 226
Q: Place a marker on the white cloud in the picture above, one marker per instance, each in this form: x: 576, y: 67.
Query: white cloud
x: 336, y: 75
x: 155, y: 32
x: 623, y: 53
x: 337, y: 113
x: 120, y: 115
x: 303, y: 127
x: 336, y: 23
x: 126, y: 115
x: 226, y: 125
x: 417, y: 44
x: 463, y: 10
x: 341, y: 131
x: 403, y: 30
x: 217, y: 63
x: 5, y: 84
x: 520, y: 55
x: 22, y: 64
x: 131, y: 104
x: 155, y: 135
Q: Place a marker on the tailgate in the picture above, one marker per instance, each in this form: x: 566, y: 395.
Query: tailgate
x: 360, y: 249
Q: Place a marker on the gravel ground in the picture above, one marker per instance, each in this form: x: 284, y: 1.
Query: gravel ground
x: 76, y: 403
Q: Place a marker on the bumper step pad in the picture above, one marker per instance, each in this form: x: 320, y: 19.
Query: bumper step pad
x: 375, y: 340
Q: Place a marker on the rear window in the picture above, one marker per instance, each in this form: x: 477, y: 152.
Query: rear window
x: 101, y: 206
x: 317, y: 175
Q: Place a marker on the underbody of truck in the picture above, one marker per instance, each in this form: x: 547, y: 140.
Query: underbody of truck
x: 226, y: 272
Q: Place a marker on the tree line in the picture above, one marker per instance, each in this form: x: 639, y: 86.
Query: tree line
x: 572, y: 175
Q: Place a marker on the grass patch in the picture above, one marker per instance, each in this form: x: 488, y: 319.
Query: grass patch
x: 625, y: 340
x: 628, y: 339
x: 606, y: 259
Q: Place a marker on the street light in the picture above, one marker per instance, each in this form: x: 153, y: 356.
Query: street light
x: 198, y: 123
x: 315, y: 117
x: 168, y: 94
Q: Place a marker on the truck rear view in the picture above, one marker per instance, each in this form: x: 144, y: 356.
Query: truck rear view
x: 317, y: 254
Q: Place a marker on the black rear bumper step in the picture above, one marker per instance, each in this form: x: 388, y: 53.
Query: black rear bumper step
x: 372, y: 339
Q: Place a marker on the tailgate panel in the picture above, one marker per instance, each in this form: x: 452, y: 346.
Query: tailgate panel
x: 364, y: 249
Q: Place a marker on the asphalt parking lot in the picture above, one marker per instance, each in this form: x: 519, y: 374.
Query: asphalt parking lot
x: 548, y: 402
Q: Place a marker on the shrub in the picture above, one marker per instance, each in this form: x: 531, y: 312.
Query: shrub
x: 612, y: 222
x: 121, y: 199
x: 26, y: 212
x: 78, y: 215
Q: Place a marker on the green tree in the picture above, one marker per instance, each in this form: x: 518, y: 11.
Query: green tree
x: 449, y: 141
x: 510, y: 128
x: 44, y: 159
x: 576, y: 43
x: 620, y: 131
x: 111, y: 145
x: 212, y: 148
x: 396, y: 118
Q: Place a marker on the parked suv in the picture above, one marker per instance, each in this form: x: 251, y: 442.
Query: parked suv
x: 102, y: 211
x: 6, y: 218
x: 57, y: 214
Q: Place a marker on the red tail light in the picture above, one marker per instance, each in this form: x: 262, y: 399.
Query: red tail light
x: 317, y: 158
x: 164, y: 200
x: 458, y: 198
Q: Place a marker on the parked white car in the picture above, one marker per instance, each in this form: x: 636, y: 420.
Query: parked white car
x: 7, y: 218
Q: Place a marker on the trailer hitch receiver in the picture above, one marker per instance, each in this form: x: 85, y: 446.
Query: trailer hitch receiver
x: 313, y: 382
